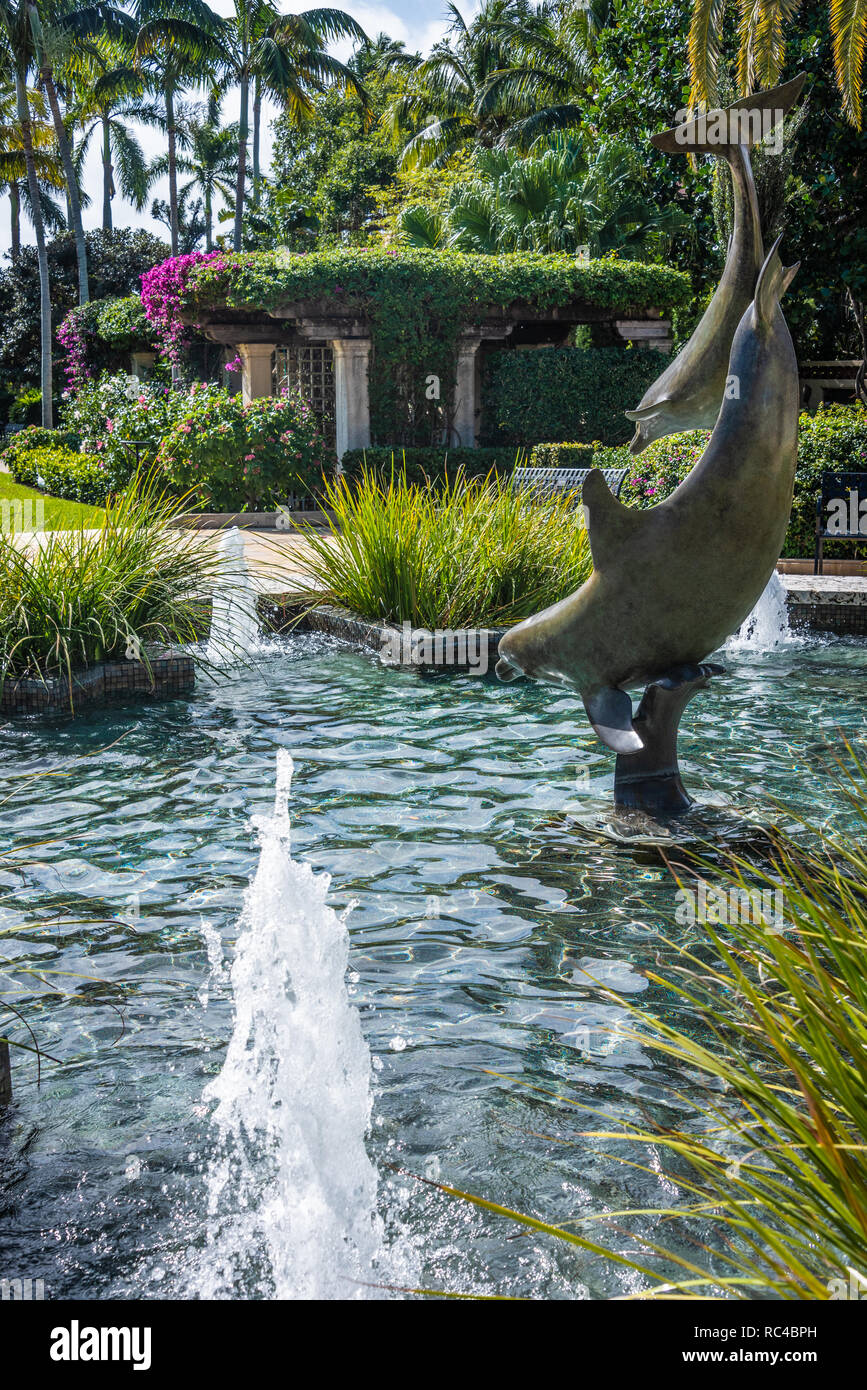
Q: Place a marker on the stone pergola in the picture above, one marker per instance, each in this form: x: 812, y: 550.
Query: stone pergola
x: 258, y: 334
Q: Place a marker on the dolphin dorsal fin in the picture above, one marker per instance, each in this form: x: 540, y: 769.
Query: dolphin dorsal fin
x: 610, y: 525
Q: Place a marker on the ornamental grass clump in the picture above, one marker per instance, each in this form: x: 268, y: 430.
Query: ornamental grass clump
x: 461, y: 553
x: 81, y: 597
x: 772, y: 1160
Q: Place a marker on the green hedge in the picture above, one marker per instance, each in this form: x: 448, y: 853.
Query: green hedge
x: 430, y: 465
x: 832, y: 440
x: 417, y: 302
x: 562, y: 456
x: 34, y: 437
x: 62, y: 472
x: 565, y: 393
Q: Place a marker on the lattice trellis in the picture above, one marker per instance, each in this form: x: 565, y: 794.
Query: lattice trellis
x: 308, y: 370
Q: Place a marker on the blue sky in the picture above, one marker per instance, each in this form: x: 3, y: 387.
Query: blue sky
x: 419, y: 23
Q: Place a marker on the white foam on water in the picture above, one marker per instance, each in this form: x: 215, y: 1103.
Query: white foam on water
x: 767, y: 627
x: 234, y: 633
x: 292, y: 1192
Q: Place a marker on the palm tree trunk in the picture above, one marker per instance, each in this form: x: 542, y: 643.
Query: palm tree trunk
x: 209, y: 220
x: 173, y: 169
x: 15, y: 235
x: 41, y: 251
x: 61, y: 134
x: 72, y: 195
x: 257, y: 126
x: 243, y: 134
x: 107, y: 176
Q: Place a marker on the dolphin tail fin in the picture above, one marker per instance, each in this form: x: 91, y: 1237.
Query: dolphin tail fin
x: 746, y: 122
x: 774, y: 279
x: 609, y: 710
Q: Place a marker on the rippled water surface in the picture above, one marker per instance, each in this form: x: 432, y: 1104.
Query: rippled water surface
x: 450, y: 809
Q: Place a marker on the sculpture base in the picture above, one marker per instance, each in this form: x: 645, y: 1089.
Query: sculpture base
x: 649, y: 780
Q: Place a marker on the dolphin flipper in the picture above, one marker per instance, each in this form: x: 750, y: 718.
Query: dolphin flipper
x: 609, y: 710
x: 610, y: 525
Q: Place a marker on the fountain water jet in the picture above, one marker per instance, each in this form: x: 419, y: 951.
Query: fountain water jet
x: 767, y: 627
x: 234, y: 633
x: 291, y: 1189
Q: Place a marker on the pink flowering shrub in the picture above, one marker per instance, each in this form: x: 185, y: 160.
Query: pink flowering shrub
x: 241, y: 457
x: 660, y: 469
x: 162, y: 292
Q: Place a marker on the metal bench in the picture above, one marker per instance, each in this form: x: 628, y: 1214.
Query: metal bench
x: 548, y: 482
x: 841, y: 512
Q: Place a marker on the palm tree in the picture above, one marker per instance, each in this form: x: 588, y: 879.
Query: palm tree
x: 17, y: 59
x: 445, y: 95
x: 210, y: 151
x: 110, y: 94
x: 762, y: 29
x: 286, y: 55
x: 552, y: 200
x: 59, y: 28
x: 13, y: 170
x: 180, y: 44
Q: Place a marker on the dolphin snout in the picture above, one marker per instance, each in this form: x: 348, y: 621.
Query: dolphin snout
x: 506, y: 670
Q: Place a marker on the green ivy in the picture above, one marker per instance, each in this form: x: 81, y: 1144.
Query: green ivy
x: 416, y: 303
x: 556, y: 394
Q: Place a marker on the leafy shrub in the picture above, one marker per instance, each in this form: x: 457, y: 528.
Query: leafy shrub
x: 563, y: 456
x: 26, y: 407
x: 657, y: 472
x: 565, y: 393
x: 65, y: 473
x: 235, y: 456
x: 429, y: 465
x: 467, y: 553
x: 111, y: 412
x: 34, y: 437
x: 96, y: 334
x: 832, y: 440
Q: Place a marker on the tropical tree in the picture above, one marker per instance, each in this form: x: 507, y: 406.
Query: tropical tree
x: 13, y: 169
x: 110, y: 94
x: 209, y: 153
x: 179, y: 44
x: 17, y: 58
x: 763, y: 28
x: 555, y: 199
x: 62, y: 30
x: 444, y: 104
x: 286, y: 55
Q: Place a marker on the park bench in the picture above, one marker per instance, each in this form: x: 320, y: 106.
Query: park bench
x: 841, y: 512
x: 548, y: 482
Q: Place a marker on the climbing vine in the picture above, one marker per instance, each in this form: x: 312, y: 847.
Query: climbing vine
x: 416, y: 303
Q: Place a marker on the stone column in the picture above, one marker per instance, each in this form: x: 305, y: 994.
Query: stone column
x: 351, y: 393
x: 465, y: 413
x: 257, y: 370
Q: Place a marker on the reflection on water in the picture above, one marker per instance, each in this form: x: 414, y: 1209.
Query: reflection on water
x: 497, y: 941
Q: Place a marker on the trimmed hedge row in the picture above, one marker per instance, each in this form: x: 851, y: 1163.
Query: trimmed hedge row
x: 559, y: 393
x: 429, y: 465
x: 63, y: 472
x: 562, y: 456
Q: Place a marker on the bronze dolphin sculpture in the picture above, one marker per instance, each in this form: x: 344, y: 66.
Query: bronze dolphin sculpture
x: 688, y: 394
x: 670, y: 584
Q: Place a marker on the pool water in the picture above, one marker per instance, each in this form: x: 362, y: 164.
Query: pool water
x: 450, y: 809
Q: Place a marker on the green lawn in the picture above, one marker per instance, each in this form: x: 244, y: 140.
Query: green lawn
x: 59, y: 515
